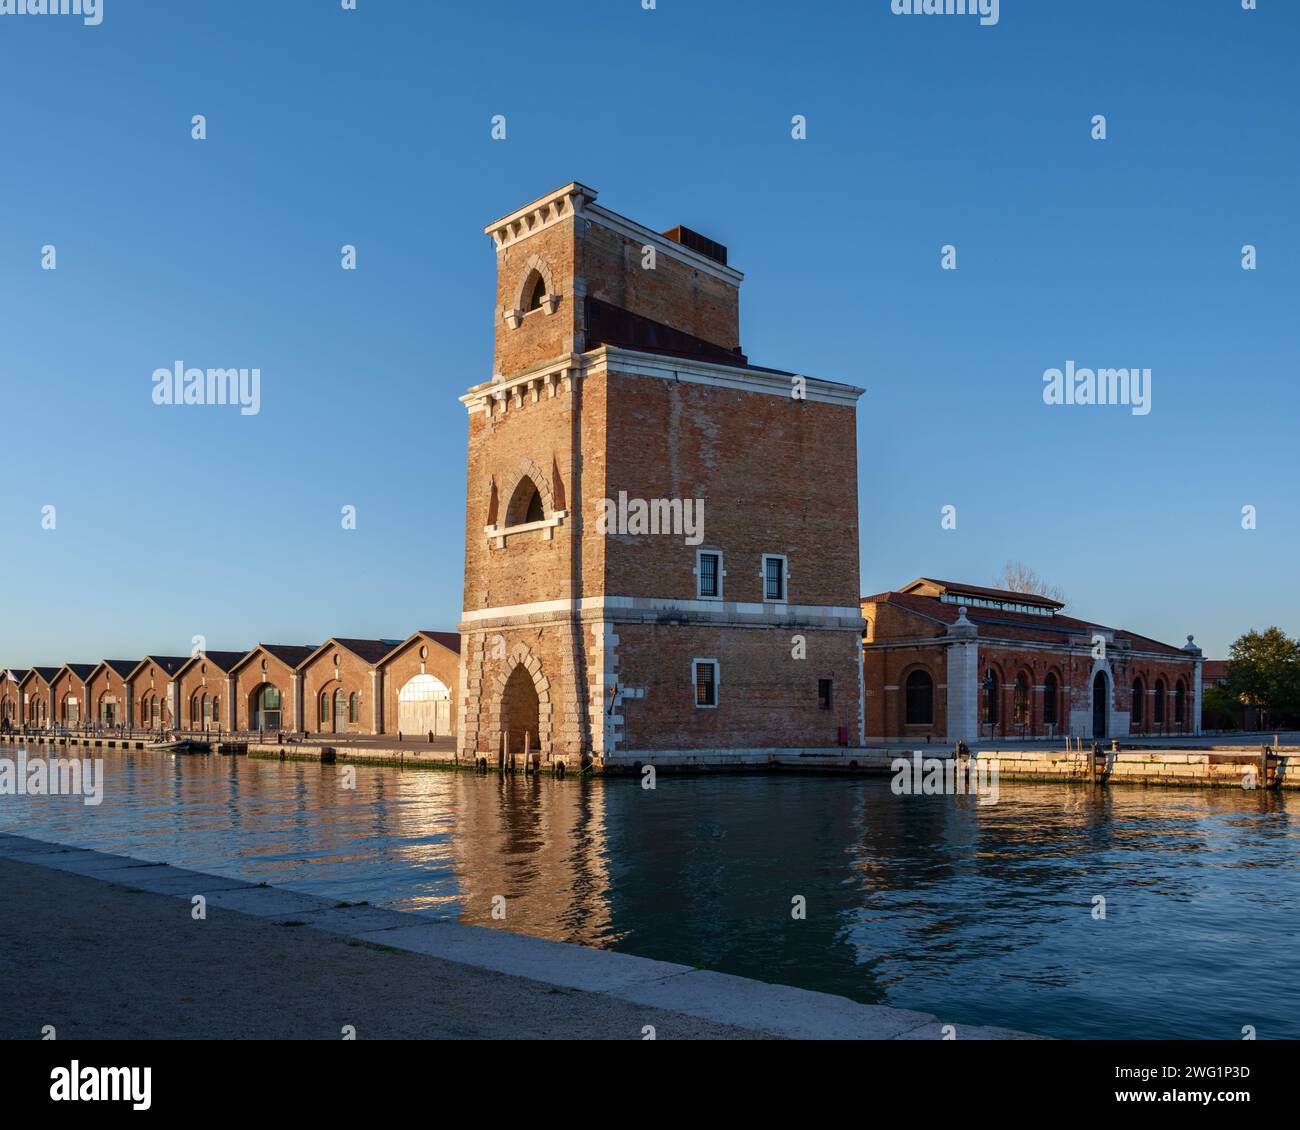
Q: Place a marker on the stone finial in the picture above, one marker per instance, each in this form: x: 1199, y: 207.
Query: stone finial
x: 1190, y: 646
x: 962, y: 627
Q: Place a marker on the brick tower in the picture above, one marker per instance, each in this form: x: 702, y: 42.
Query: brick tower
x: 661, y: 554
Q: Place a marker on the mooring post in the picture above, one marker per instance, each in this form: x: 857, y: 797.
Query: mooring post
x: 527, y: 749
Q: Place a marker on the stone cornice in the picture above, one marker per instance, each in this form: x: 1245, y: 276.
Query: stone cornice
x: 562, y: 204
x: 612, y: 359
x: 550, y: 375
x: 662, y: 244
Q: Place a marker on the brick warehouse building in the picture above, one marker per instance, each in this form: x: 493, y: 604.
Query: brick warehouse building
x: 945, y: 661
x: 618, y: 375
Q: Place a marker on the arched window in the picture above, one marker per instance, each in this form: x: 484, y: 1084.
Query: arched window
x: 1180, y: 703
x: 354, y: 707
x: 267, y: 714
x: 1049, y: 700
x: 324, y: 710
x: 194, y: 709
x: 1021, y: 701
x: 920, y: 699
x: 207, y: 711
x: 990, y: 693
x: 1158, y: 707
x: 216, y: 709
x: 1138, y: 716
x: 526, y: 504
x: 155, y: 713
x: 536, y: 292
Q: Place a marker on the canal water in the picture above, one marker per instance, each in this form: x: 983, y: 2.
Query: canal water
x: 982, y: 914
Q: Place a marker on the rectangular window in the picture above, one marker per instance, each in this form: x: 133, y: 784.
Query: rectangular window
x: 824, y: 694
x: 709, y: 571
x: 773, y: 577
x: 706, y: 682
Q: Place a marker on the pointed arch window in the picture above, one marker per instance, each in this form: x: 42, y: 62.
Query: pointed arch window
x: 1139, y: 703
x: 536, y: 291
x: 1158, y: 706
x: 1049, y: 700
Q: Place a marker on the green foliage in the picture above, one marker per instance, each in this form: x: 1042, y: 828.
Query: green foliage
x: 1264, y: 670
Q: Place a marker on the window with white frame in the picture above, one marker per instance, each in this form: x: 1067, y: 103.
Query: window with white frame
x: 775, y: 575
x: 708, y: 574
x: 704, y: 674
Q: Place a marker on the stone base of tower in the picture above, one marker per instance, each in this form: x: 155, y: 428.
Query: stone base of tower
x: 612, y: 685
x: 518, y: 692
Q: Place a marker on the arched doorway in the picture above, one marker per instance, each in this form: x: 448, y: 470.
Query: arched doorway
x: 519, y: 713
x: 1100, y: 701
x: 424, y: 705
x: 340, y: 712
x: 264, y: 708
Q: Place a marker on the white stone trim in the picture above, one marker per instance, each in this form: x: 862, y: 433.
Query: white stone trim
x: 830, y: 614
x: 547, y: 525
x: 564, y: 370
x: 634, y: 363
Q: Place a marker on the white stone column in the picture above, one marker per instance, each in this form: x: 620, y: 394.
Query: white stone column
x: 377, y: 701
x: 963, y: 679
x: 295, y: 683
x: 1199, y: 656
x: 232, y: 704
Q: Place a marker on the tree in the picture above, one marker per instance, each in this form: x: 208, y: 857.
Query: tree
x: 1221, y: 710
x: 1264, y: 671
x: 1018, y: 577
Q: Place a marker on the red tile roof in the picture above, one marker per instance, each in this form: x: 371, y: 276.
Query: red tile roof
x: 1002, y: 624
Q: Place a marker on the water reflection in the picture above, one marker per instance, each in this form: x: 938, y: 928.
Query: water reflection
x: 982, y: 914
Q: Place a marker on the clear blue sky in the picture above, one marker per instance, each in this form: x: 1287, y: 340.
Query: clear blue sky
x: 372, y: 128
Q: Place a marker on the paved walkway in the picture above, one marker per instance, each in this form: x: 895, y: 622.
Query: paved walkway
x: 110, y: 950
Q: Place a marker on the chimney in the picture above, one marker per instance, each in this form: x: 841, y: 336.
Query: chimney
x: 697, y: 242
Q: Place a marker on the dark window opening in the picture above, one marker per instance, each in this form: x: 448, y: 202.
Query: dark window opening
x: 1021, y: 702
x: 824, y: 693
x: 773, y: 578
x: 706, y: 686
x: 708, y: 574
x: 990, y: 697
x: 537, y: 293
x: 535, y: 511
x: 1049, y: 700
x: 919, y: 699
